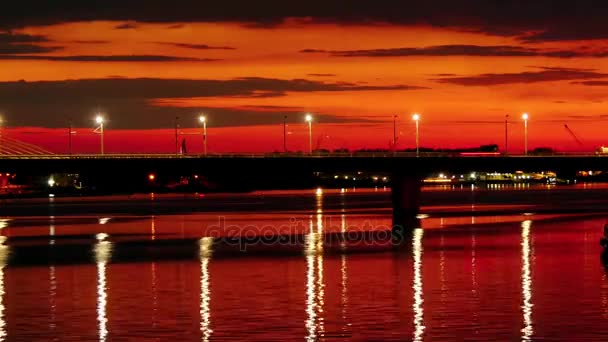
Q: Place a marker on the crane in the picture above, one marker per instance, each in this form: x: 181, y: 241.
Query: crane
x: 580, y: 143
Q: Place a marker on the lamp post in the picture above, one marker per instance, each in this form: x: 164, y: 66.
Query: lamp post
x: 285, y: 133
x: 99, y: 120
x: 202, y: 119
x: 70, y: 137
x: 176, y: 133
x: 506, y: 133
x: 416, y: 118
x: 309, y: 120
x: 394, y: 133
x: 525, y: 117
x: 1, y: 137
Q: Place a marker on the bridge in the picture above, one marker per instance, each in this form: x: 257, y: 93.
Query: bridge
x: 406, y: 169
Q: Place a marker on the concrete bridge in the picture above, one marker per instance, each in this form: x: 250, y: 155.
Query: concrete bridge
x: 406, y: 169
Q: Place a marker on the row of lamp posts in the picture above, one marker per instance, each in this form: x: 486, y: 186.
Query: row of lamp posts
x: 99, y: 119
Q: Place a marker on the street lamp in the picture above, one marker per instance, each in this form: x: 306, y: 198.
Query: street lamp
x: 202, y: 119
x: 99, y: 120
x: 525, y: 117
x: 506, y: 133
x: 1, y: 137
x: 416, y: 118
x: 309, y: 120
x: 394, y: 133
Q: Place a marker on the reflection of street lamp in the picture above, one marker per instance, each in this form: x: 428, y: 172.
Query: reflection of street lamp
x: 202, y: 119
x: 99, y: 120
x: 416, y: 118
x: 525, y: 117
x: 309, y: 120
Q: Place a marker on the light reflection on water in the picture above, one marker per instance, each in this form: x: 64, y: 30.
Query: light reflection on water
x: 417, y: 285
x: 103, y: 254
x: 513, y: 276
x: 206, y: 249
x: 526, y: 280
x: 4, y: 254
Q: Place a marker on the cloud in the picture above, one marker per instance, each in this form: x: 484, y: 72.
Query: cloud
x: 322, y: 75
x: 545, y: 74
x: 197, y: 46
x: 539, y: 20
x: 109, y: 58
x: 593, y: 83
x: 17, y: 43
x: 146, y: 102
x: 94, y: 42
x: 125, y: 26
x: 151, y: 88
x: 463, y: 50
x: 11, y: 38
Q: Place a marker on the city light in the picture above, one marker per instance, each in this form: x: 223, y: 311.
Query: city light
x: 202, y: 119
x: 151, y: 176
x: 99, y: 119
x: 416, y: 117
x: 308, y: 118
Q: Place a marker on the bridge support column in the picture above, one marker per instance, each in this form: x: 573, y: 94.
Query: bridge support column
x: 405, y: 193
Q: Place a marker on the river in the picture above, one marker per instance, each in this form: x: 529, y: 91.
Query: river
x: 484, y: 264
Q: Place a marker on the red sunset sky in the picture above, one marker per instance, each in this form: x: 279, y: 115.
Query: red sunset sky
x: 461, y: 68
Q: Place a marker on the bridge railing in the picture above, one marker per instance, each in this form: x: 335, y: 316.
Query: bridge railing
x: 374, y: 154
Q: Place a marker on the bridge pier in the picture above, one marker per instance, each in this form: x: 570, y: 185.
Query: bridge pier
x: 405, y: 193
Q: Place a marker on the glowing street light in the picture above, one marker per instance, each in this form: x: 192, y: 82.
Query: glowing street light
x: 525, y: 117
x: 309, y: 120
x: 99, y: 120
x: 203, y: 120
x: 416, y: 118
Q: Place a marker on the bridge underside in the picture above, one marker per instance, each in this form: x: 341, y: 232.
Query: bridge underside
x: 128, y: 173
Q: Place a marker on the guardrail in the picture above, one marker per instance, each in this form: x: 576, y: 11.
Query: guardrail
x: 298, y: 155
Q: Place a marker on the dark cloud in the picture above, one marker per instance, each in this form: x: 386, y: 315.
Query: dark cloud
x: 315, y: 51
x: 322, y: 75
x: 545, y: 74
x: 197, y: 46
x: 593, y: 83
x: 582, y: 31
x: 539, y: 20
x: 125, y: 26
x: 464, y: 50
x: 18, y: 38
x: 17, y: 43
x: 25, y: 48
x: 131, y: 102
x: 93, y: 42
x: 109, y: 58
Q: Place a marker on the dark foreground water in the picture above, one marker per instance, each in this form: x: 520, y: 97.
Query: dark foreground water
x: 327, y: 269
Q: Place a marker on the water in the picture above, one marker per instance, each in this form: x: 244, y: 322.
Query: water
x: 479, y: 270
